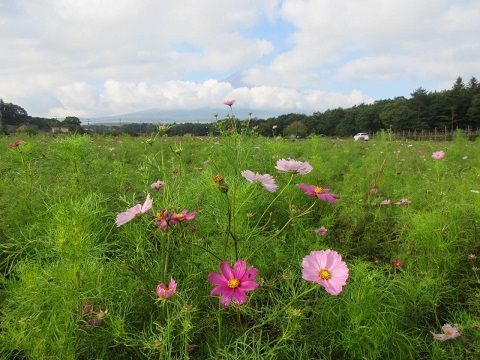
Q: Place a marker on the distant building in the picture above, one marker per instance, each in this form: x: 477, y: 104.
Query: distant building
x: 60, y: 130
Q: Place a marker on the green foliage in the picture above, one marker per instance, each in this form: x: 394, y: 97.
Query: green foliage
x: 73, y: 285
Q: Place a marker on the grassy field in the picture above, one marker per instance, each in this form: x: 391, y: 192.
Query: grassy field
x: 74, y: 285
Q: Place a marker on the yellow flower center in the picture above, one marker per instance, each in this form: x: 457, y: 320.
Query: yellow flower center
x: 179, y: 216
x: 448, y: 333
x: 318, y: 190
x: 160, y: 216
x: 324, y: 274
x: 233, y: 283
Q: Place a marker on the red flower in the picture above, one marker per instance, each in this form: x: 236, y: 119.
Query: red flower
x: 15, y: 144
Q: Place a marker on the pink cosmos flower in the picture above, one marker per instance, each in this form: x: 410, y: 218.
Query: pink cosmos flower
x: 403, y: 202
x: 274, y: 127
x: 294, y: 166
x: 15, y: 144
x: 397, y: 263
x: 134, y: 212
x: 229, y: 102
x: 449, y: 332
x: 177, y: 218
x: 233, y: 283
x: 386, y: 202
x: 438, y: 155
x: 266, y: 180
x: 472, y: 256
x: 321, y: 231
x: 164, y: 292
x: 326, y: 268
x: 157, y: 185
x: 162, y: 219
x: 319, y: 192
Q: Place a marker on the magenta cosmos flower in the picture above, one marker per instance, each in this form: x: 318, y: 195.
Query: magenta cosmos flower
x: 229, y: 102
x: 162, y: 219
x: 438, y: 155
x: 294, y: 166
x: 319, y: 192
x: 266, y: 180
x: 321, y: 231
x: 233, y: 283
x: 184, y: 215
x: 164, y: 292
x: 134, y: 212
x: 326, y: 268
x: 449, y: 332
x: 15, y: 144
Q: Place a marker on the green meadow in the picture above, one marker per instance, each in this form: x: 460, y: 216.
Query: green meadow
x: 74, y: 285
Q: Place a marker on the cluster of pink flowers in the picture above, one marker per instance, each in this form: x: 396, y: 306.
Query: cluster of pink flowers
x: 164, y: 219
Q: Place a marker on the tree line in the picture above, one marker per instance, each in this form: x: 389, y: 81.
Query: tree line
x: 458, y: 107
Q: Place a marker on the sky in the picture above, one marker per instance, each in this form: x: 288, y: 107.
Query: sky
x: 94, y: 58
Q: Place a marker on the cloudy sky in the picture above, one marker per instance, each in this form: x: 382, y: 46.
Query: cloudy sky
x: 94, y: 58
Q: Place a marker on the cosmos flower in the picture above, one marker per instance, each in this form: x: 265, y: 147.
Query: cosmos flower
x: 438, y: 155
x: 403, y: 202
x: 319, y: 192
x: 386, y: 202
x: 294, y: 166
x: 15, y: 144
x: 326, y: 268
x: 157, y: 185
x: 321, y: 231
x: 233, y: 283
x: 274, y: 127
x: 397, y: 263
x: 162, y: 219
x: 266, y: 180
x: 176, y: 218
x: 472, y: 256
x: 134, y: 212
x: 164, y: 292
x: 449, y: 332
x: 229, y: 102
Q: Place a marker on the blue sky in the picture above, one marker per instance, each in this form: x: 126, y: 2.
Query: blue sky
x: 94, y: 58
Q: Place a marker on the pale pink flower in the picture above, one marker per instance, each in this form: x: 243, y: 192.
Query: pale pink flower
x: 403, y: 202
x: 319, y: 192
x: 321, y: 231
x: 472, y: 256
x: 164, y: 292
x: 274, y: 127
x: 229, y: 102
x: 176, y: 218
x: 438, y: 155
x: 449, y: 332
x: 326, y: 268
x: 294, y: 166
x: 157, y: 185
x: 134, y: 212
x: 266, y: 180
x: 233, y: 283
x: 386, y: 202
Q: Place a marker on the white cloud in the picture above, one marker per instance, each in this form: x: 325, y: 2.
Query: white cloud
x: 94, y: 58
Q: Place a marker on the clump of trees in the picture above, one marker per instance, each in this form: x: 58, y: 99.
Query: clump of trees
x: 458, y: 107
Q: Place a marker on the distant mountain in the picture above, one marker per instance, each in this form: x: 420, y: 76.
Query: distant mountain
x: 160, y: 116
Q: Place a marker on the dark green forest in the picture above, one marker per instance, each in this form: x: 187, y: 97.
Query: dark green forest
x: 456, y: 108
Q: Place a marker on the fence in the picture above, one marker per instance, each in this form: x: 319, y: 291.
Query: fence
x: 437, y: 134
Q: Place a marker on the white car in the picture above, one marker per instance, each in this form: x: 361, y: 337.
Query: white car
x: 361, y: 136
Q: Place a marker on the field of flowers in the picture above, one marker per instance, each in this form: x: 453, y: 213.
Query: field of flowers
x: 239, y: 247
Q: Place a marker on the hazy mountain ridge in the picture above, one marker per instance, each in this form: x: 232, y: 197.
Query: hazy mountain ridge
x: 204, y: 115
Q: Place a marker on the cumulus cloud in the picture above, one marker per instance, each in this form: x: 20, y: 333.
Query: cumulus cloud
x: 96, y: 58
